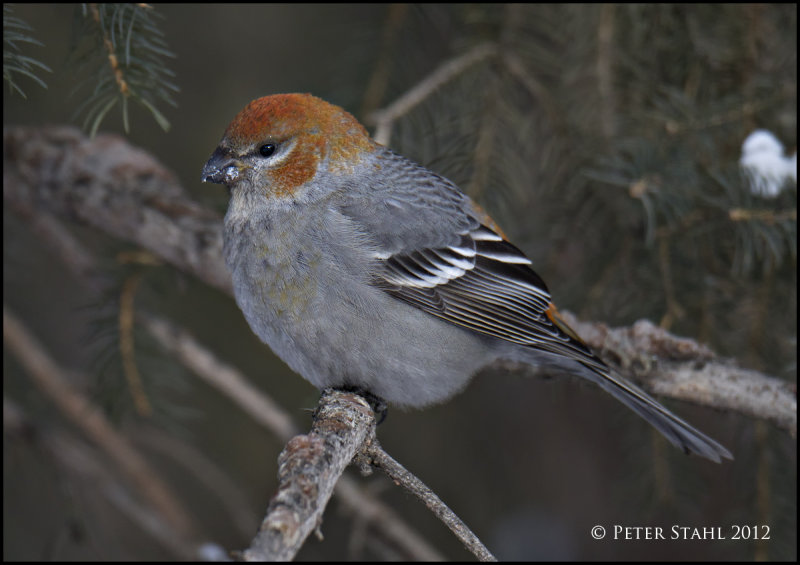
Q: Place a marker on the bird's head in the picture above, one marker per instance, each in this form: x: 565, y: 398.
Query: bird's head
x: 278, y: 143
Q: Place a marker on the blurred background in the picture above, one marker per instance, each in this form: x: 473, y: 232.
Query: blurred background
x: 605, y: 139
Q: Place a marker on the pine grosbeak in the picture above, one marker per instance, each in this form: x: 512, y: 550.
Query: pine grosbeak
x: 363, y: 269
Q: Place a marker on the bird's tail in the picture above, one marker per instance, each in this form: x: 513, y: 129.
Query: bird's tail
x: 677, y: 431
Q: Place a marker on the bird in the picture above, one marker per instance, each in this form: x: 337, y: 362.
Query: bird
x: 362, y: 269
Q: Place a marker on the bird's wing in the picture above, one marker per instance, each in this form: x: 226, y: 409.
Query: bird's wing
x: 485, y: 284
x: 439, y: 252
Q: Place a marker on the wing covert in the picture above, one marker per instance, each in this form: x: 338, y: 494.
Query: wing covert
x: 485, y: 284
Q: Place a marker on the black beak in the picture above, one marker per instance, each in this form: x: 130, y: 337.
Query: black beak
x: 221, y: 168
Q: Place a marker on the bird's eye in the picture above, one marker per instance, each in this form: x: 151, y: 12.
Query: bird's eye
x: 267, y: 149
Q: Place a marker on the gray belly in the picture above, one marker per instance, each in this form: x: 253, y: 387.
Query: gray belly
x: 335, y: 330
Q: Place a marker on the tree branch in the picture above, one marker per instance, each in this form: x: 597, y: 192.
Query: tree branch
x: 676, y: 367
x: 384, y: 119
x: 108, y: 184
x: 308, y: 469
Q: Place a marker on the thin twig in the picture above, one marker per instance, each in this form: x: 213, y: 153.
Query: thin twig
x: 770, y: 217
x: 376, y: 456
x: 60, y: 240
x: 127, y: 353
x: 382, y: 519
x: 738, y: 114
x: 221, y: 376
x: 447, y: 71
